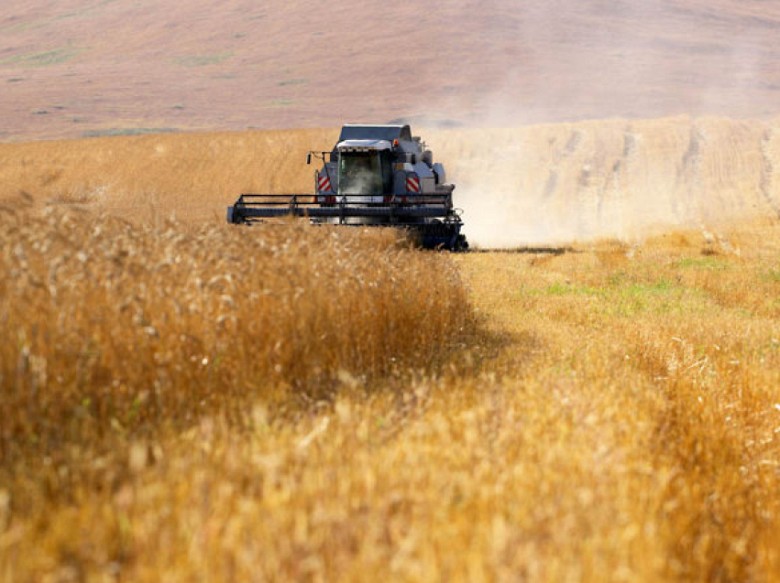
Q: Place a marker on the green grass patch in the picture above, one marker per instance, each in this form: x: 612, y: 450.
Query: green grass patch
x: 773, y: 275
x: 86, y: 10
x: 203, y: 60
x: 709, y: 263
x: 44, y: 58
x: 657, y: 288
x: 282, y: 102
x: 22, y: 26
x: 622, y: 296
x: 288, y: 82
x: 110, y: 132
x: 660, y: 297
x: 565, y: 289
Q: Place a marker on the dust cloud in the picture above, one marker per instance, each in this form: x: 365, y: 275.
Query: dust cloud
x: 558, y: 183
x: 658, y: 153
x: 667, y: 83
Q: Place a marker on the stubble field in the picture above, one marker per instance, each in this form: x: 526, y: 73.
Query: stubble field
x: 184, y: 400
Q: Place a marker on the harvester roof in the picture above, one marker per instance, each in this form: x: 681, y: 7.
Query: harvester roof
x: 376, y: 132
x: 363, y: 145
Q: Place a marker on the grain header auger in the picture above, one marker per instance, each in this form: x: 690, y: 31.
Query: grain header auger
x: 376, y: 175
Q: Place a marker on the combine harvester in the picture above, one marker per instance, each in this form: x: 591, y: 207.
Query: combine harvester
x: 376, y: 175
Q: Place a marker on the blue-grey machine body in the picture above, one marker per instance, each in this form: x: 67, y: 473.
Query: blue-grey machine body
x: 377, y: 175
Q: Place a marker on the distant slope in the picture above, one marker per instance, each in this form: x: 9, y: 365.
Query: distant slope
x: 544, y: 184
x: 86, y: 67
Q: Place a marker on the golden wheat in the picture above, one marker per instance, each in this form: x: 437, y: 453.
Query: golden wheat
x: 106, y: 324
x: 152, y: 178
x: 185, y: 402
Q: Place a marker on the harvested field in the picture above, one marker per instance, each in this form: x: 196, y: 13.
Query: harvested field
x: 181, y: 399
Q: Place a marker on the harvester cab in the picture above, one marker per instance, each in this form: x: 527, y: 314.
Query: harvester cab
x: 377, y: 175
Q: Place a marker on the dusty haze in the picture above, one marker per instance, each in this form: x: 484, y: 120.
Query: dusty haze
x: 551, y: 184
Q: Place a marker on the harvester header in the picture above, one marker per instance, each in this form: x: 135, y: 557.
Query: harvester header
x: 377, y: 175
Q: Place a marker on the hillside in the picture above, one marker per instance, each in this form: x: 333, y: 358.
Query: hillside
x: 78, y: 67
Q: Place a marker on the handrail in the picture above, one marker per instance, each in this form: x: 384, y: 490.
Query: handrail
x: 343, y: 199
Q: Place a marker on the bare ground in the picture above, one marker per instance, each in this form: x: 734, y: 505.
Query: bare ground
x: 79, y: 68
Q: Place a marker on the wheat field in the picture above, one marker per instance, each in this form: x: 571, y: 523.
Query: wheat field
x: 186, y: 400
x: 546, y: 184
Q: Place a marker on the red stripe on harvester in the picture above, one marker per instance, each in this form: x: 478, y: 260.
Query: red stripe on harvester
x: 324, y: 183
